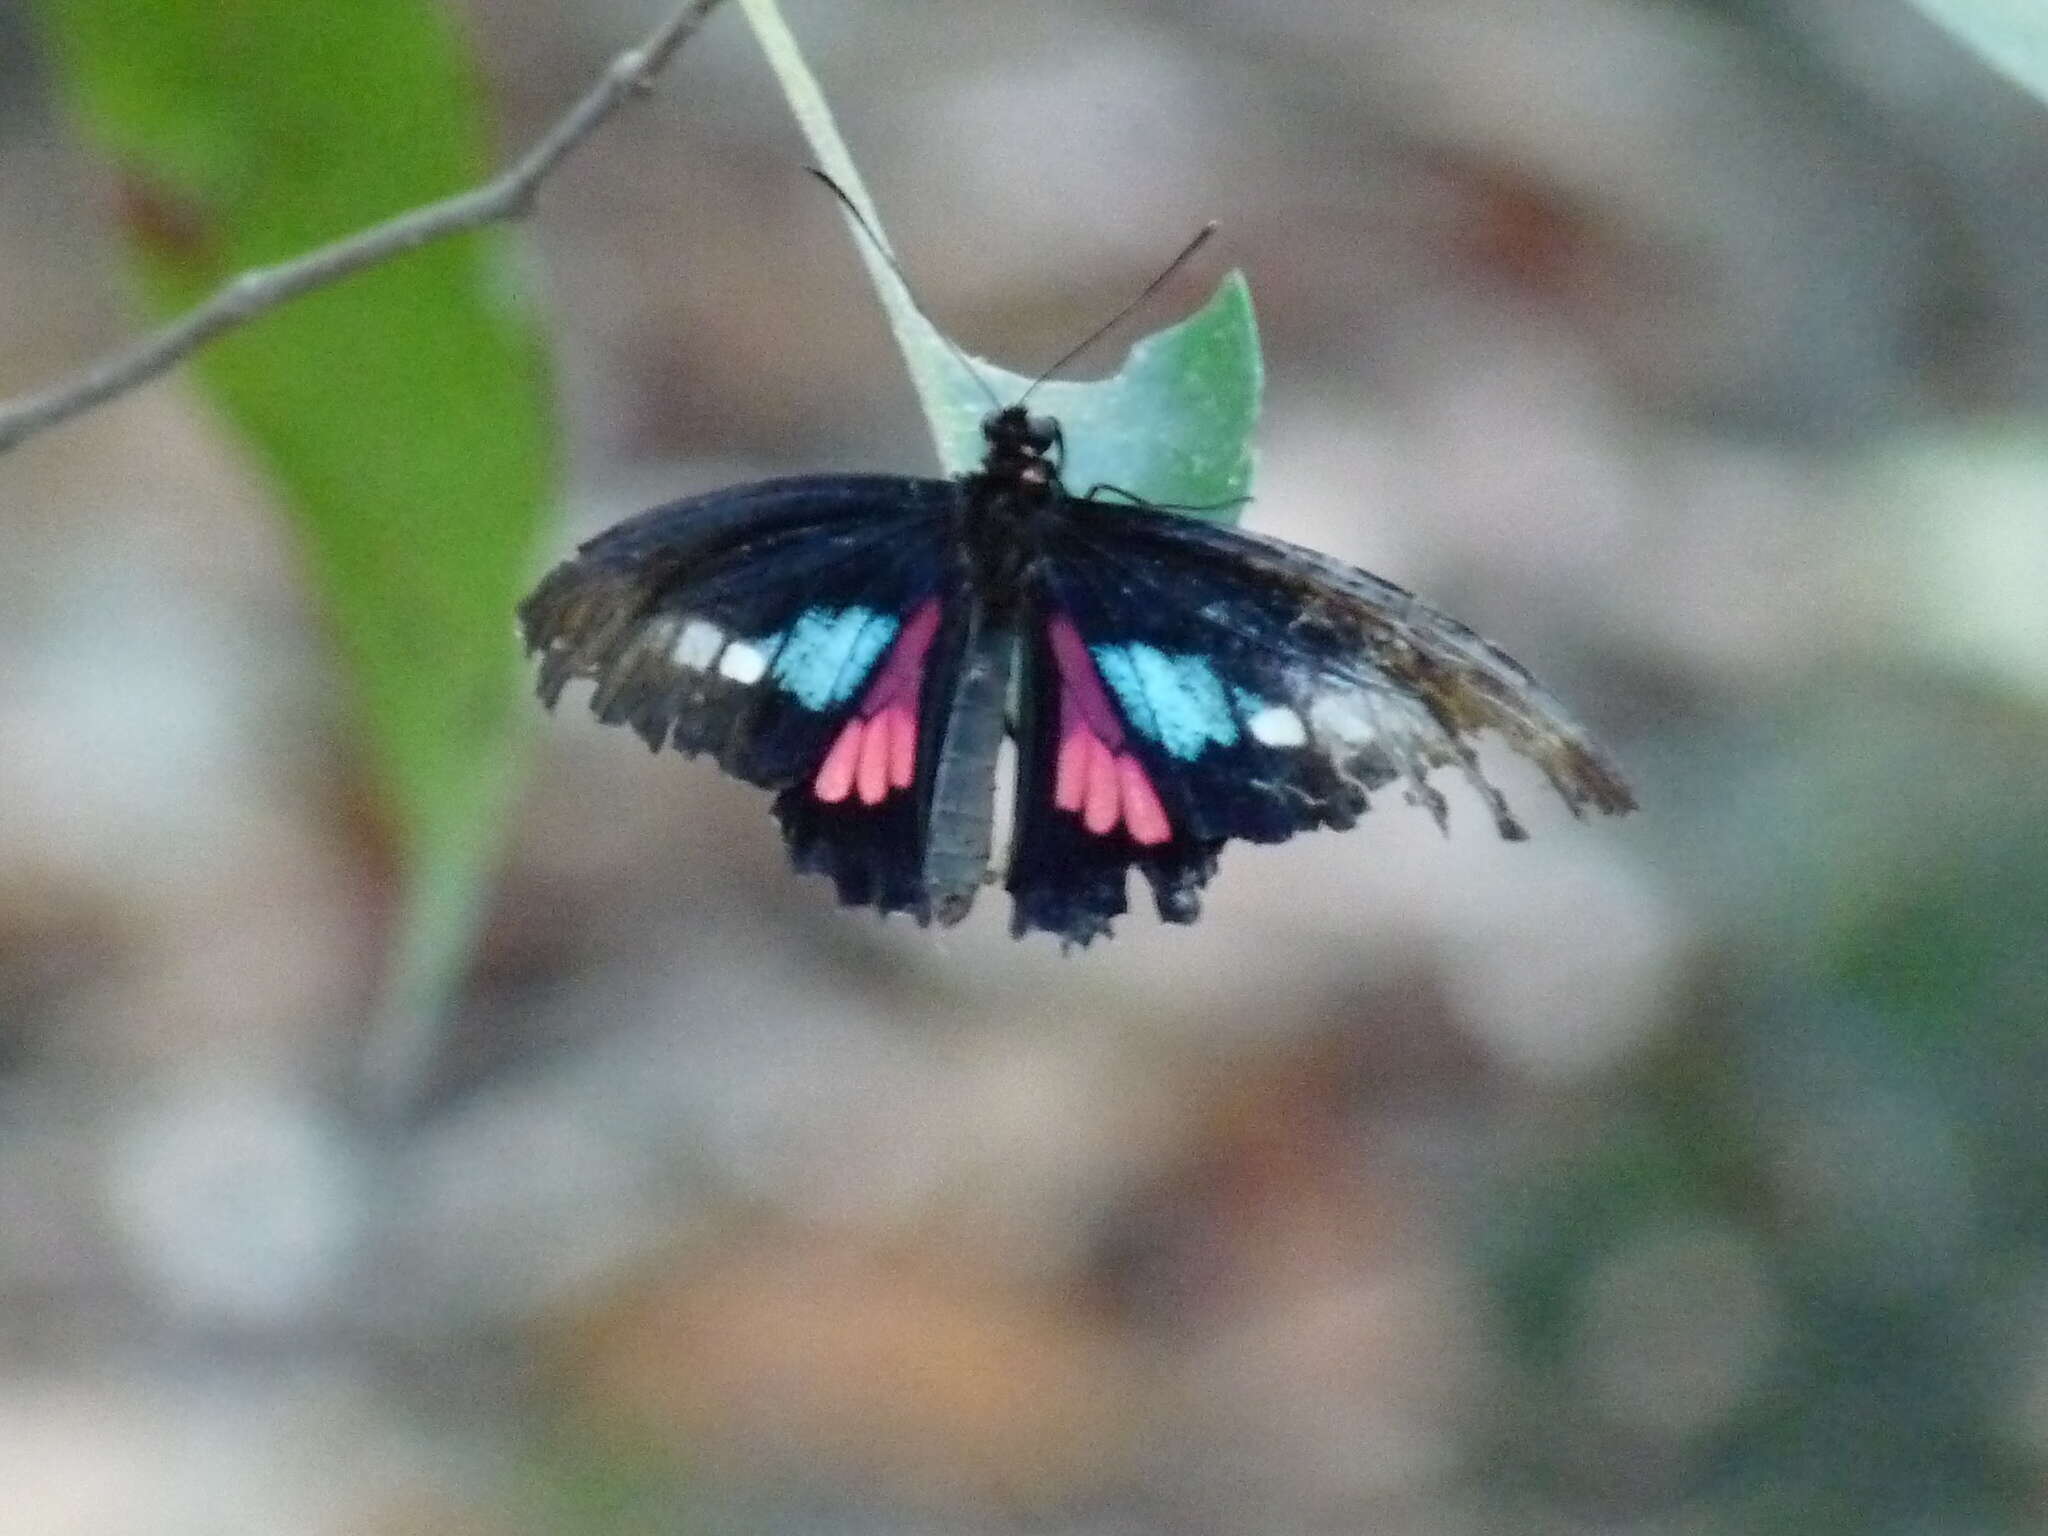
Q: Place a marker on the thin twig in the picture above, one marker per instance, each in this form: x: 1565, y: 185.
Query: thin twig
x: 242, y: 298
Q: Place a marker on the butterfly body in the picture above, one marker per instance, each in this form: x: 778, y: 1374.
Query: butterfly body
x: 864, y: 645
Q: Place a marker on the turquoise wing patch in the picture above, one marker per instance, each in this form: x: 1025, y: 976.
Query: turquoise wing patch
x: 828, y: 652
x: 1178, y: 701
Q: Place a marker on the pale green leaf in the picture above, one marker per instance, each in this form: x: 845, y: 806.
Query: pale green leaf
x: 1173, y: 425
x: 2011, y: 35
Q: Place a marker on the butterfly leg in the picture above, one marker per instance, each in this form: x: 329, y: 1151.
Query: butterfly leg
x: 1136, y: 500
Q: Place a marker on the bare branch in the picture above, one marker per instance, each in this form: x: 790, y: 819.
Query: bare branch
x: 242, y: 298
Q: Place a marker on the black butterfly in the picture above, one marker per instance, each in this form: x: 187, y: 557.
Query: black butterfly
x: 863, y: 644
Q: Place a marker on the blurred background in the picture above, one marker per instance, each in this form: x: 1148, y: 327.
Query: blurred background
x: 1684, y: 1174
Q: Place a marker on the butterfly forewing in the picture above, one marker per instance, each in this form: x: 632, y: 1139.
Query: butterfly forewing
x: 1384, y: 677
x: 800, y: 631
x: 1189, y: 685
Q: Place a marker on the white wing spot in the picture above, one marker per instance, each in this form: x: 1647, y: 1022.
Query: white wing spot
x: 697, y: 647
x: 1277, y: 726
x: 743, y: 663
x: 1344, y: 716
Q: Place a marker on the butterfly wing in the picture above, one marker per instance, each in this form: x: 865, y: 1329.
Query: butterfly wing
x: 800, y: 631
x: 1187, y: 684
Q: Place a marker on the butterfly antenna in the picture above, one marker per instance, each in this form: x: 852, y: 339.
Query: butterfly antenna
x: 1166, y: 273
x: 888, y: 256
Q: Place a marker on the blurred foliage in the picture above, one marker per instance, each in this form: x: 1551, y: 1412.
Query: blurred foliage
x: 403, y: 415
x: 576, y: 1481
x: 1172, y: 425
x: 1846, y: 1147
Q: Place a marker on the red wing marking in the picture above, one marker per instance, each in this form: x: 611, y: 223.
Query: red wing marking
x: 835, y: 779
x: 1101, y: 807
x: 1070, y: 780
x: 1094, y: 775
x: 1143, y: 814
x: 872, y: 779
x: 875, y: 752
x: 902, y: 727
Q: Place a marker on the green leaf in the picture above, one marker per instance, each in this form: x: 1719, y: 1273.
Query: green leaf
x: 403, y: 415
x: 1173, y: 425
x: 2011, y: 35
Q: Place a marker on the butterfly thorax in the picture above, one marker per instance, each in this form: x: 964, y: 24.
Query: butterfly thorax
x: 1008, y: 499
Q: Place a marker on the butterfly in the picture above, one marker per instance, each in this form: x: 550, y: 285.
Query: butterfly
x: 865, y: 645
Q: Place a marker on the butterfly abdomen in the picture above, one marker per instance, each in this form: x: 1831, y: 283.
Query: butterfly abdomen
x: 960, y: 822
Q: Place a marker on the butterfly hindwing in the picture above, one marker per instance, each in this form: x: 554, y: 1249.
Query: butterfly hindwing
x: 1091, y: 801
x: 899, y: 807
x: 796, y: 630
x: 1189, y: 685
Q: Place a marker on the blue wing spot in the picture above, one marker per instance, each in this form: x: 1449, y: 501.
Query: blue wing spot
x: 828, y: 653
x: 1177, y: 700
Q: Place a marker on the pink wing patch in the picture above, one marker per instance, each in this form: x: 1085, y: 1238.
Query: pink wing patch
x: 875, y: 752
x: 1095, y: 777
